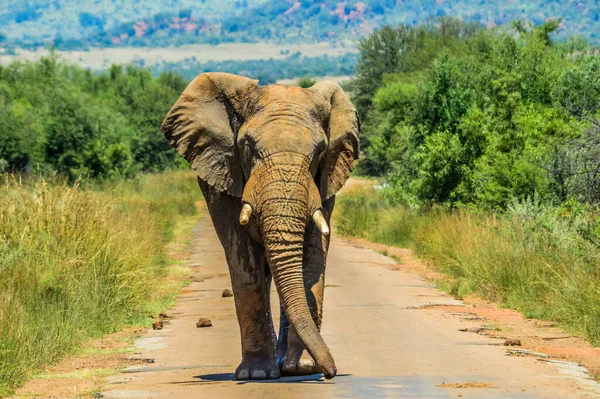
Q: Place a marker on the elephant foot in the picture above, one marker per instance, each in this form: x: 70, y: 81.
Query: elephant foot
x: 299, y: 363
x: 257, y: 368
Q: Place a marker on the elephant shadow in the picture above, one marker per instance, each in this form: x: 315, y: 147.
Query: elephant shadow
x: 302, y: 379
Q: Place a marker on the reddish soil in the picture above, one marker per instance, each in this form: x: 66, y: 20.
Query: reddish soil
x: 81, y: 375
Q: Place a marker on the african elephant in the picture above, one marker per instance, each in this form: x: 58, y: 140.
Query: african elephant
x: 269, y: 161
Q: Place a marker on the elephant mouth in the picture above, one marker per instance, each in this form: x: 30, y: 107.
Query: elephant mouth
x: 317, y: 217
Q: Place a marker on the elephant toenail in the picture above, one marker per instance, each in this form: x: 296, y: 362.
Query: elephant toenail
x: 274, y: 374
x: 259, y: 375
x: 243, y: 374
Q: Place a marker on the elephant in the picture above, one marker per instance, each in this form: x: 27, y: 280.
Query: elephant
x: 269, y: 161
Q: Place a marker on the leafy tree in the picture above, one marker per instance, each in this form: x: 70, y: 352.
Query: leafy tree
x: 380, y: 54
x: 578, y: 89
x: 60, y: 118
x: 481, y: 116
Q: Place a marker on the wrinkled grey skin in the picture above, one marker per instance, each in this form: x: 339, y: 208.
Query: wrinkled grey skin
x: 285, y: 151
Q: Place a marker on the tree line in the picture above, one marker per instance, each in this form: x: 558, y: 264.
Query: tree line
x: 59, y: 118
x: 454, y: 113
x: 266, y: 71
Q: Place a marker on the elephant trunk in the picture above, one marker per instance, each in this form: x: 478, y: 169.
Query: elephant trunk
x: 285, y: 207
x: 284, y: 242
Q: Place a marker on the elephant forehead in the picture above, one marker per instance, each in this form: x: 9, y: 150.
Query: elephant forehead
x: 285, y: 98
x: 282, y: 135
x: 284, y: 117
x: 284, y: 127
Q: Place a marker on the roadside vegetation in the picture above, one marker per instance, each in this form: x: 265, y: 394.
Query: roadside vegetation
x: 89, y: 196
x: 78, y: 262
x: 538, y: 259
x: 486, y: 144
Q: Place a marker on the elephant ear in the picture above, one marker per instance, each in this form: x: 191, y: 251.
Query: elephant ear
x: 343, y: 129
x: 203, y: 124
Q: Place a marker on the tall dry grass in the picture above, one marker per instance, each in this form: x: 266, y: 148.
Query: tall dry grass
x: 543, y: 261
x: 78, y: 263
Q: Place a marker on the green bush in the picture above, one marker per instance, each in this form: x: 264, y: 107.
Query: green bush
x: 456, y: 114
x: 64, y: 119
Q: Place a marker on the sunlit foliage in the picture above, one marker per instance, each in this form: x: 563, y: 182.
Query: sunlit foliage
x: 467, y: 115
x: 65, y: 119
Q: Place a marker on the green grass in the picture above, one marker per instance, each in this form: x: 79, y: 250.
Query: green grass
x: 78, y: 263
x: 365, y: 213
x: 542, y: 261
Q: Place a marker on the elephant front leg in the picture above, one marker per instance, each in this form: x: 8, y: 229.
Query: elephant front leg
x: 292, y: 356
x: 247, y: 268
x: 258, y: 345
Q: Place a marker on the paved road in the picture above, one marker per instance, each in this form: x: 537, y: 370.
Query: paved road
x: 385, y: 343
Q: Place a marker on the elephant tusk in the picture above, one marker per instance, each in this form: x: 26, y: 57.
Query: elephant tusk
x: 321, y: 223
x: 245, y: 214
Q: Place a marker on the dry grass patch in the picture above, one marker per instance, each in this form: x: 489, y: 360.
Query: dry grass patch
x: 79, y: 263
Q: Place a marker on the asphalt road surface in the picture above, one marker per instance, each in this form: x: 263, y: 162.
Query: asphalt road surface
x: 385, y: 341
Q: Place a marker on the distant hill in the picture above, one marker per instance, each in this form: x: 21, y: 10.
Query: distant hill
x: 72, y: 22
x: 80, y: 24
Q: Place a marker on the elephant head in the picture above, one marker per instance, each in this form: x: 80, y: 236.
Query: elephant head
x: 283, y: 151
